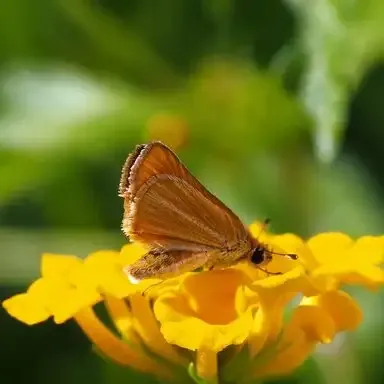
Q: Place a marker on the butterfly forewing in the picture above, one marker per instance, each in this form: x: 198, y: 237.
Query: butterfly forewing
x: 185, y: 208
x: 167, y: 208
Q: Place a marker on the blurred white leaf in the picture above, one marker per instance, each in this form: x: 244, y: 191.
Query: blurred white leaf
x: 341, y: 40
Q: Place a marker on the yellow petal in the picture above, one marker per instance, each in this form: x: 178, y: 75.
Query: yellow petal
x: 104, y: 271
x: 25, y: 309
x: 368, y: 250
x: 293, y: 281
x: 177, y: 320
x: 207, y: 336
x: 370, y: 276
x: 287, y: 243
x: 350, y: 262
x: 73, y: 302
x: 147, y: 327
x: 259, y: 232
x: 291, y: 356
x: 276, y: 292
x: 44, y: 290
x: 315, y: 321
x: 308, y: 326
x: 58, y: 266
x: 114, y: 348
x: 330, y: 247
x: 351, y: 273
x: 121, y: 316
x: 290, y: 243
x: 344, y: 311
x: 132, y: 252
x: 61, y: 299
x: 203, y: 290
x: 260, y: 331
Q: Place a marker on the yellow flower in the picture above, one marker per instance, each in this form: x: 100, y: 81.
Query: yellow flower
x: 70, y: 287
x: 204, y: 325
x: 340, y: 259
x: 331, y: 259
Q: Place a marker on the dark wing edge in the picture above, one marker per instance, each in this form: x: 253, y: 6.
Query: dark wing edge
x: 126, y: 171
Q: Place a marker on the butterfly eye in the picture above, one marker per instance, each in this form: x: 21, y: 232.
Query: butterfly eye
x: 258, y: 256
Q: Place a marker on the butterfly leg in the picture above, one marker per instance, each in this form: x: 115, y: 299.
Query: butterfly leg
x: 270, y: 273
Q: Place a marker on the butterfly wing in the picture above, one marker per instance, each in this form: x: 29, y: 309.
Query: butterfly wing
x: 154, y: 159
x: 167, y: 208
x: 163, y: 199
x: 160, y: 263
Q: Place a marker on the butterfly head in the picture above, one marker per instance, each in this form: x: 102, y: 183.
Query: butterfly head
x: 260, y: 255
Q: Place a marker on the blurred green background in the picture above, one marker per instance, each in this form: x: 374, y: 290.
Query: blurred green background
x: 276, y: 106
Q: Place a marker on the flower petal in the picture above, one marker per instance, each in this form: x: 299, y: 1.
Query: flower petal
x: 203, y: 289
x: 344, y: 311
x: 350, y: 273
x: 132, y: 252
x: 258, y: 231
x: 287, y: 243
x: 288, y: 359
x: 44, y: 290
x: 290, y: 243
x: 71, y: 301
x: 260, y: 330
x: 104, y: 271
x: 369, y: 250
x: 330, y: 247
x: 308, y: 326
x: 121, y: 316
x: 276, y: 292
x: 177, y: 320
x: 147, y: 327
x: 62, y: 299
x: 58, y: 266
x: 115, y: 348
x: 294, y: 281
x: 24, y: 308
x: 342, y: 260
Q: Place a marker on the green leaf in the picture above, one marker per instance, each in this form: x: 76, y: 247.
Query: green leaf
x: 236, y: 367
x: 309, y: 372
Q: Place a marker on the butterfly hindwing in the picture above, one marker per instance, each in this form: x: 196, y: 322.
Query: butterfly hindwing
x: 158, y: 263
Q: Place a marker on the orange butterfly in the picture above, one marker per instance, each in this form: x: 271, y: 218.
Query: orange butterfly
x: 185, y: 226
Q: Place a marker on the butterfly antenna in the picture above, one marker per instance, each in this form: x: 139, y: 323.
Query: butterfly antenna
x: 263, y: 227
x: 291, y: 256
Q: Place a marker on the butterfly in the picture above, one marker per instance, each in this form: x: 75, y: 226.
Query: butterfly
x: 184, y: 225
